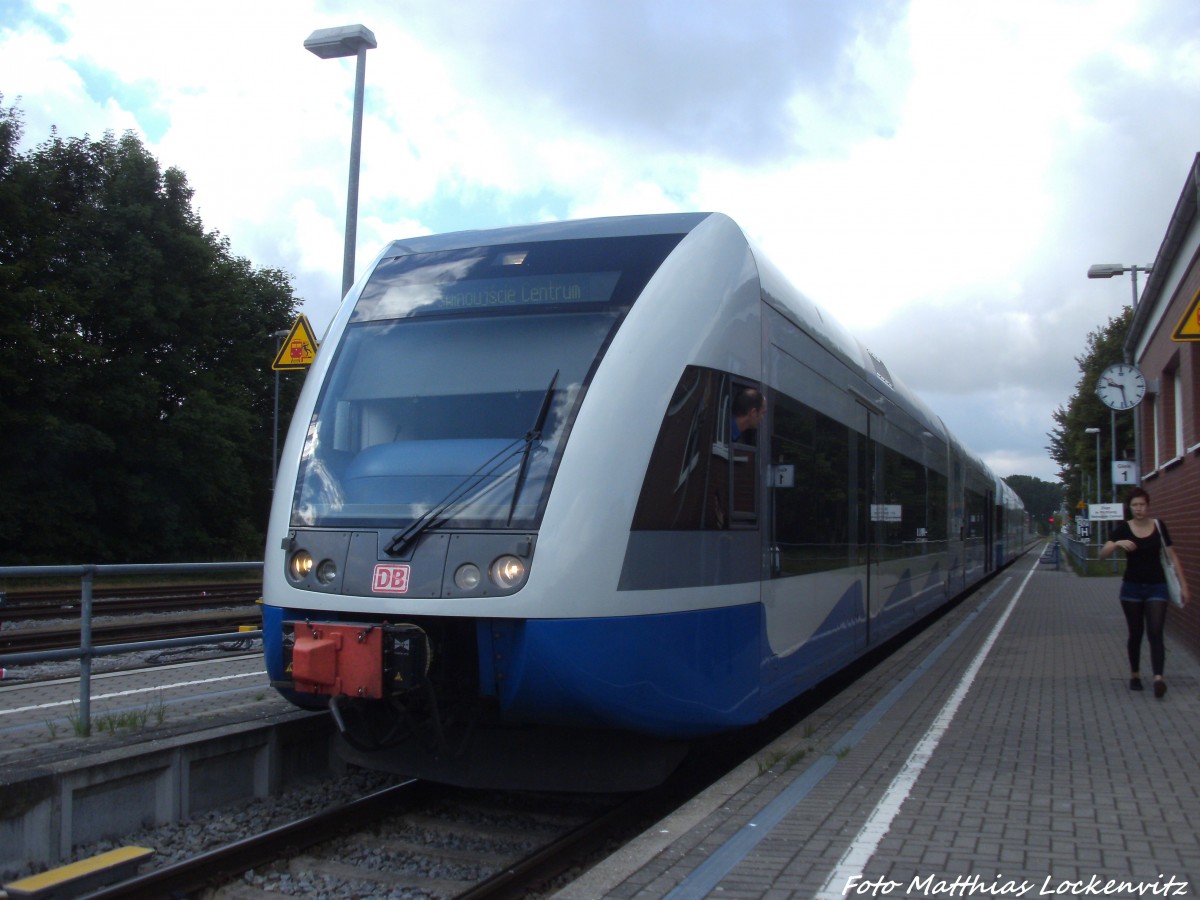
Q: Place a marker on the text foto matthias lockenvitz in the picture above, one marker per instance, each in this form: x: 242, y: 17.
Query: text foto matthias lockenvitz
x: 977, y: 886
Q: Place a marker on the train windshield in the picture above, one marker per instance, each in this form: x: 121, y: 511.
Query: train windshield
x: 455, y: 384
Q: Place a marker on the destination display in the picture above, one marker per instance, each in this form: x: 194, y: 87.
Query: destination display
x: 383, y: 300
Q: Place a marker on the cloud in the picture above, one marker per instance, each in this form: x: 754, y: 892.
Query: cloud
x: 664, y: 77
x: 937, y: 175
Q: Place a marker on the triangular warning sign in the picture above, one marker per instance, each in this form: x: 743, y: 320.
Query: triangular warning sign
x: 1188, y: 328
x: 300, y: 348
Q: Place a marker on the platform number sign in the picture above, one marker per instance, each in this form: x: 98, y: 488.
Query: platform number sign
x: 1124, y: 471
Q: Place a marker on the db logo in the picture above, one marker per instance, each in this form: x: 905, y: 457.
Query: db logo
x: 390, y: 579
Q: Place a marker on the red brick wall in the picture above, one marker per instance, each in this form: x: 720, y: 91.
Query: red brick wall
x: 1175, y: 490
x: 1175, y: 498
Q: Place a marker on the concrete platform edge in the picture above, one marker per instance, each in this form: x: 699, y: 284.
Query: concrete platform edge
x: 47, y: 809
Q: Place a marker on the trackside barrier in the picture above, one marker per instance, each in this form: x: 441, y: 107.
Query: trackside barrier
x: 86, y: 652
x: 1076, y: 548
x: 1050, y: 556
x: 1086, y: 556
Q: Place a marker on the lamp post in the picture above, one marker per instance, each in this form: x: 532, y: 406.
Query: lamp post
x: 1096, y: 432
x: 1111, y: 270
x: 332, y: 43
x: 279, y: 336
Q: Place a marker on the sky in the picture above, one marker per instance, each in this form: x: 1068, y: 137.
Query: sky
x: 937, y: 174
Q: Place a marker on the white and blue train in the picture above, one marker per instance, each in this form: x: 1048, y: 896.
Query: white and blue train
x: 519, y: 523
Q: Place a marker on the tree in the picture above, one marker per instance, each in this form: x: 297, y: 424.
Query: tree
x: 1042, y: 499
x: 136, y: 396
x: 1070, y: 445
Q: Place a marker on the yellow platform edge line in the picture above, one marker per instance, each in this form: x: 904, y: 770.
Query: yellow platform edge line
x: 71, y: 871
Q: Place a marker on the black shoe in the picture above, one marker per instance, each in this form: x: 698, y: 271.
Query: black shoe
x: 1135, y: 683
x: 1160, y: 688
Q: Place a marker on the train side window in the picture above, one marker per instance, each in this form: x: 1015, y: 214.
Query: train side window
x: 747, y: 408
x: 939, y: 512
x: 919, y: 493
x: 673, y: 490
x: 702, y: 472
x: 814, y: 512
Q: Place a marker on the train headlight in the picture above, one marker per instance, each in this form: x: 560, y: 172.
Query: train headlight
x: 300, y: 565
x: 467, y: 577
x: 326, y: 571
x: 508, y: 572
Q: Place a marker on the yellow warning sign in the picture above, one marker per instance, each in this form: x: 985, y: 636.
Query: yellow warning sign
x: 300, y: 348
x: 1188, y: 328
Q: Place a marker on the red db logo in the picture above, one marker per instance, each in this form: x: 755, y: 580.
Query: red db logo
x: 390, y: 579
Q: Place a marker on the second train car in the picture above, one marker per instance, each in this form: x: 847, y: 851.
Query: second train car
x: 522, y: 516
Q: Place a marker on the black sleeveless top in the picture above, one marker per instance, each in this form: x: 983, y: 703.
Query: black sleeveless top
x: 1143, y: 566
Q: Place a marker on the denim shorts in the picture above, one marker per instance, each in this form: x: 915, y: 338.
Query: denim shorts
x: 1132, y: 592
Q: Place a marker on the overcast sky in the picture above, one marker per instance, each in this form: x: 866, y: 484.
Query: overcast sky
x: 938, y: 174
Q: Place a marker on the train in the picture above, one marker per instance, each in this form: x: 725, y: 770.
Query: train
x: 567, y: 497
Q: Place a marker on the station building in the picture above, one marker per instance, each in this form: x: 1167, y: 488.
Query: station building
x: 1164, y: 343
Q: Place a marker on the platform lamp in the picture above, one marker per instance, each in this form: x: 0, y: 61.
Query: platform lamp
x: 1096, y: 432
x: 1112, y: 270
x: 278, y: 336
x: 332, y: 43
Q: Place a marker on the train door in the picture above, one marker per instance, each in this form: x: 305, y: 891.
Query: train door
x: 957, y: 531
x: 817, y: 512
x: 989, y: 532
x: 873, y: 514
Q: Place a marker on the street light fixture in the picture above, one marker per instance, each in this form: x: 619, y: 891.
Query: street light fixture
x: 332, y: 43
x: 1111, y: 270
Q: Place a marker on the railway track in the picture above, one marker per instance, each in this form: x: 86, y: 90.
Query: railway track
x: 57, y: 604
x: 35, y: 621
x: 414, y: 838
x: 134, y: 629
x: 421, y: 839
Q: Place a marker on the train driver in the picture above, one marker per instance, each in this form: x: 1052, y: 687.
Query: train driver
x: 749, y: 406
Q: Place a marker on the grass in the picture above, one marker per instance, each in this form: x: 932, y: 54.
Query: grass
x: 768, y: 762
x: 130, y: 720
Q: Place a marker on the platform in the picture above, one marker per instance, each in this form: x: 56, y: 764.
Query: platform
x: 39, y: 720
x: 167, y: 743
x: 1001, y: 753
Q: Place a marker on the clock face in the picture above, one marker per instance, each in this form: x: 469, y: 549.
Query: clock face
x: 1121, y: 386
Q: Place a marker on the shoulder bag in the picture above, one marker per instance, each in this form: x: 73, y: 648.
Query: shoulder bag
x: 1169, y: 571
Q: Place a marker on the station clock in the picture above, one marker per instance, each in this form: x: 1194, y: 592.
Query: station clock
x: 1121, y: 386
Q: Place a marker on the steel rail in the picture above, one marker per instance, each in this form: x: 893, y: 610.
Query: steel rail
x: 27, y: 606
x: 16, y: 643
x: 226, y: 863
x: 87, y: 649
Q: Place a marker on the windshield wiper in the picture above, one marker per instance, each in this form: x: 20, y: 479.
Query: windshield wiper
x: 426, y: 520
x: 437, y: 512
x: 533, y: 434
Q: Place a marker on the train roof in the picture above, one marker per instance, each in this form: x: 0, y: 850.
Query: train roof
x: 611, y: 226
x: 777, y: 289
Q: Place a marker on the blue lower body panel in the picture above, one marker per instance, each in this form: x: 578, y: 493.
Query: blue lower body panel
x: 671, y: 675
x: 272, y: 629
x: 674, y: 675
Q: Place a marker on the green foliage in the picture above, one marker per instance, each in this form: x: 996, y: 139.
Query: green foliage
x: 136, y: 395
x: 1041, y: 498
x: 1070, y: 445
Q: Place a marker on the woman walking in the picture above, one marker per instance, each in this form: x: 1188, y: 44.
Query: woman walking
x: 1144, y: 586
